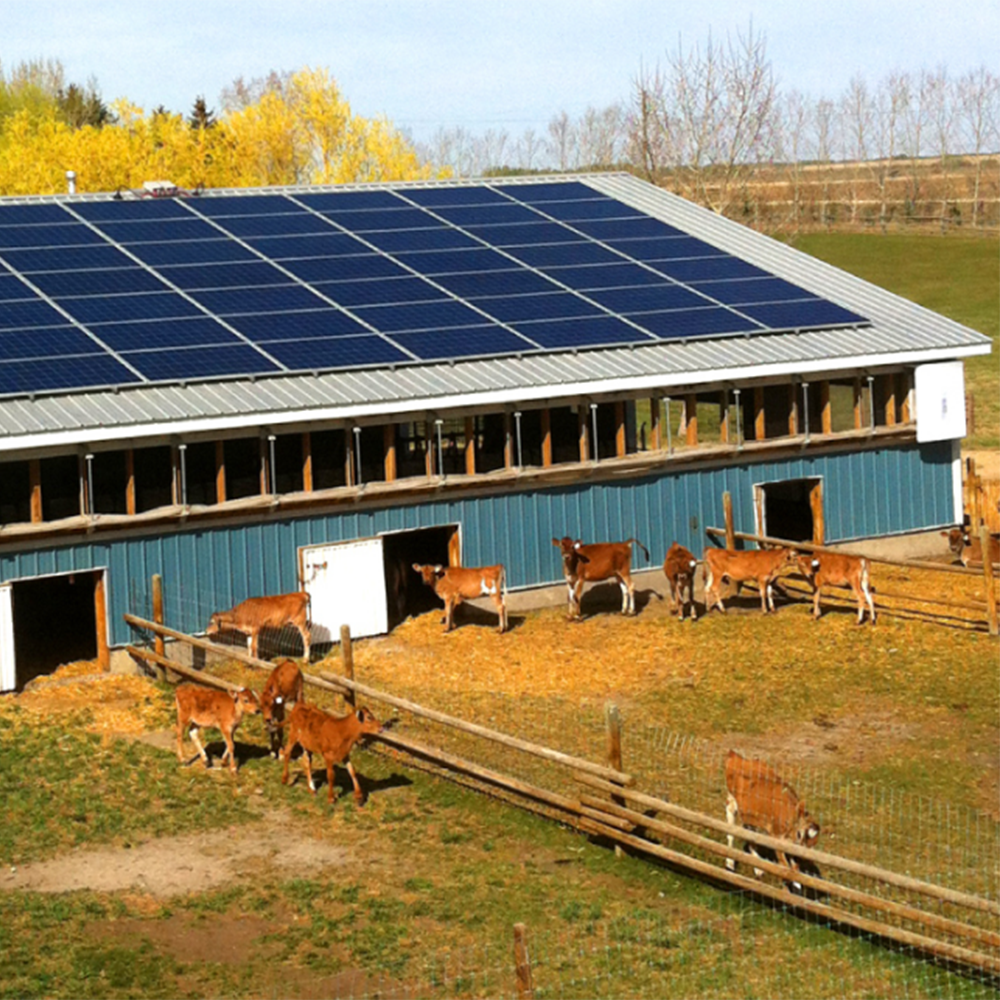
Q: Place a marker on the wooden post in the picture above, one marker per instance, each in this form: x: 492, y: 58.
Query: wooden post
x: 307, y: 462
x: 816, y: 504
x: 158, y: 643
x: 655, y: 433
x: 546, y: 420
x: 825, y: 411
x: 859, y: 420
x: 724, y: 432
x: 35, y: 480
x: 889, y: 390
x: 350, y: 473
x: 522, y: 963
x: 508, y: 442
x: 793, y: 409
x: 470, y: 446
x: 220, y: 472
x: 101, y: 621
x: 130, y: 482
x: 691, y: 420
x: 389, y: 444
x: 347, y: 658
x: 906, y: 397
x: 991, y: 594
x: 583, y: 429
x: 265, y: 466
x: 727, y: 510
x: 621, y: 442
x: 759, y: 422
x: 613, y: 726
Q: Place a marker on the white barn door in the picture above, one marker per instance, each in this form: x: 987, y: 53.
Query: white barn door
x: 8, y: 671
x: 346, y: 584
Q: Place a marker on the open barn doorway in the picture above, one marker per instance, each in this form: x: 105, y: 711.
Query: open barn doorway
x: 406, y: 593
x: 791, y: 509
x: 47, y: 621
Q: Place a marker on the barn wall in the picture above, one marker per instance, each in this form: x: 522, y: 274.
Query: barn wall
x: 875, y: 492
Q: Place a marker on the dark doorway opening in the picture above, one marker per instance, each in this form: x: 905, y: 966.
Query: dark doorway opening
x: 406, y: 592
x: 54, y: 621
x: 788, y: 509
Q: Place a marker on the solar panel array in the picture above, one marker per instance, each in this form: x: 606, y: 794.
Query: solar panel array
x: 104, y: 293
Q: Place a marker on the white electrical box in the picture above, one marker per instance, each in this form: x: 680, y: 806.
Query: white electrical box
x: 940, y: 399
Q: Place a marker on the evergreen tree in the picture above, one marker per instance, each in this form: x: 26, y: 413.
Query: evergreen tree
x: 201, y: 117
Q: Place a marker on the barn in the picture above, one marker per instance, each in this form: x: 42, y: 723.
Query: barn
x: 259, y: 391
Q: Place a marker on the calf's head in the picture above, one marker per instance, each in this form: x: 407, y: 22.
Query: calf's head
x: 429, y: 574
x: 247, y: 702
x: 806, y: 828
x: 367, y: 721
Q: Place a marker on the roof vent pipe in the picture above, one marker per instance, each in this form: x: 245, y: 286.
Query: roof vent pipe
x: 71, y: 181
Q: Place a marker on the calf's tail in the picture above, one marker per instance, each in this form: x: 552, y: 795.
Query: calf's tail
x: 635, y: 541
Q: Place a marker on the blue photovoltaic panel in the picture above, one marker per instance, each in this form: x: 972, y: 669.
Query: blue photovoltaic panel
x: 201, y: 362
x: 420, y: 316
x: 121, y: 280
x: 340, y: 279
x: 195, y: 332
x: 403, y: 240
x: 329, y: 244
x: 341, y: 352
x: 217, y: 250
x: 48, y: 342
x: 274, y: 298
x: 52, y: 374
x: 463, y: 342
x: 683, y: 323
x: 379, y: 292
x: 224, y: 275
x: 320, y: 323
x: 123, y: 308
x: 585, y: 332
x: 558, y: 305
x: 29, y: 313
x: 470, y: 286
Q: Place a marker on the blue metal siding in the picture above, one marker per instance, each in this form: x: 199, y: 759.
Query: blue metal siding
x: 874, y: 492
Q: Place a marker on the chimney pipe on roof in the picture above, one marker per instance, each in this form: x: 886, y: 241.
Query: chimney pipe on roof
x: 71, y: 181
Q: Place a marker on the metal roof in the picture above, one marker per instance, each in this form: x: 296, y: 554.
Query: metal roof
x: 901, y: 332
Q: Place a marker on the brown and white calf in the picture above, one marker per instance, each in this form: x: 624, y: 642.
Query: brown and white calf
x: 584, y: 564
x: 454, y: 584
x: 199, y: 706
x: 968, y: 547
x: 760, y: 565
x: 331, y: 736
x: 833, y: 569
x: 679, y: 568
x: 760, y: 799
x: 255, y: 614
x: 285, y: 687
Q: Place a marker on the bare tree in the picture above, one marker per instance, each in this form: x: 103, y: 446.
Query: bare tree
x: 562, y: 141
x: 978, y: 106
x: 857, y: 115
x: 529, y: 150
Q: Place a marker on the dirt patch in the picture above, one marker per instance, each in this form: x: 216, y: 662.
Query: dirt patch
x: 172, y: 866
x: 987, y: 463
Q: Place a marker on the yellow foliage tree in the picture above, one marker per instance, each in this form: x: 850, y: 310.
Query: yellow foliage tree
x: 305, y: 134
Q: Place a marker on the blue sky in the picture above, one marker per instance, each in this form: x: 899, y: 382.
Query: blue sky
x: 507, y: 64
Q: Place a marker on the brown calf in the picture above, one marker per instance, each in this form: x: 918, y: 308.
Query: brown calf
x: 837, y: 570
x: 285, y: 687
x: 454, y: 584
x: 968, y: 548
x: 257, y: 613
x: 224, y: 710
x: 759, y: 799
x: 679, y: 569
x: 598, y: 561
x: 760, y: 565
x: 331, y: 736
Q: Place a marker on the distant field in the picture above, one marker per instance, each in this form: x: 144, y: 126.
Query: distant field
x: 956, y: 276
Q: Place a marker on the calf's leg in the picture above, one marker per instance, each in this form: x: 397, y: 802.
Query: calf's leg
x: 732, y: 814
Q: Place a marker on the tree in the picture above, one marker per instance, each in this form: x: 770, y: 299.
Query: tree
x: 201, y: 117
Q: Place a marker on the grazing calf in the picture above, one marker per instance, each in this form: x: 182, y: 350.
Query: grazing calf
x: 759, y: 799
x: 199, y: 706
x: 837, y: 570
x: 284, y: 687
x: 760, y: 565
x: 454, y: 584
x: 331, y: 736
x: 598, y: 561
x: 257, y: 613
x: 679, y: 569
x: 968, y: 548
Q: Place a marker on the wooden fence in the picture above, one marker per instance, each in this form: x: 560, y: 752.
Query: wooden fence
x: 944, y: 923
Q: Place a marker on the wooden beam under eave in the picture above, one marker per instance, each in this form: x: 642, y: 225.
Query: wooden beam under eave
x: 825, y: 410
x: 389, y: 447
x: 307, y: 462
x: 35, y: 482
x: 220, y: 472
x: 130, y: 482
x: 546, y: 421
x: 691, y: 420
x: 906, y: 393
x: 759, y: 421
x: 470, y: 446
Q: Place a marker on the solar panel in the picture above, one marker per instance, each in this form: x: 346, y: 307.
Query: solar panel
x: 341, y: 279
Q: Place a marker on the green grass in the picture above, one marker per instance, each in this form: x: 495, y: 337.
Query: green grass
x: 956, y: 276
